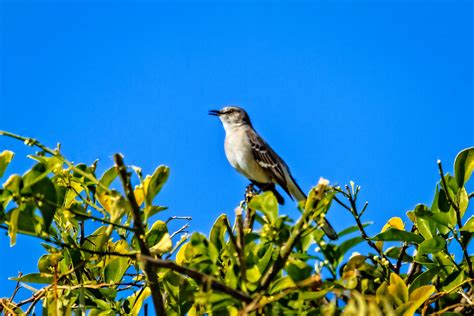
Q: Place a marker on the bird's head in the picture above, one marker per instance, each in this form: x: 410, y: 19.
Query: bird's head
x: 231, y: 116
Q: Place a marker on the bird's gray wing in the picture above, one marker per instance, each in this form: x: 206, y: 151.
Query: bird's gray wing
x: 268, y: 159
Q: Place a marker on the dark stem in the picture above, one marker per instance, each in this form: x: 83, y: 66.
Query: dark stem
x: 149, y: 270
x: 241, y: 246
x: 402, y: 253
x: 355, y: 213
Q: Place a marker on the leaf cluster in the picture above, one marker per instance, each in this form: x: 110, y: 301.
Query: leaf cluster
x: 108, y: 250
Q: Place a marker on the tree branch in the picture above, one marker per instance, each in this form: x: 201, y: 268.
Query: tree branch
x: 33, y: 142
x: 353, y: 210
x: 295, y: 235
x: 150, y: 270
x: 198, y: 276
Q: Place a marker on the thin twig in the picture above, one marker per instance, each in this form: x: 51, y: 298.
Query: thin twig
x: 17, y: 287
x: 33, y: 142
x: 188, y: 218
x: 402, y: 252
x: 353, y: 210
x: 179, y: 231
x: 150, y: 270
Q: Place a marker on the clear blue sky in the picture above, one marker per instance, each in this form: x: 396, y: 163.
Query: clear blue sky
x: 373, y: 92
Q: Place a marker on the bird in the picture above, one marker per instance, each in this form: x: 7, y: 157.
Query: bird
x: 253, y: 158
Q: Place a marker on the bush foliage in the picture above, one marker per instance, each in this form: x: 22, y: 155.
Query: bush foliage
x: 108, y: 248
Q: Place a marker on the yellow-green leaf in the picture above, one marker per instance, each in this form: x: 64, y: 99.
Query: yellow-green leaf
x: 157, y: 181
x: 5, y: 159
x: 267, y: 204
x: 398, y: 289
x: 417, y: 298
x: 463, y: 166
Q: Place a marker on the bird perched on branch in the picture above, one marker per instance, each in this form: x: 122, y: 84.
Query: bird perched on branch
x: 252, y: 157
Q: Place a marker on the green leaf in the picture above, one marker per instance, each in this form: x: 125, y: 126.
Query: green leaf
x: 45, y: 191
x: 97, y: 239
x: 443, y: 203
x: 163, y: 246
x: 454, y: 281
x: 152, y: 210
x: 432, y: 245
x: 156, y: 233
x: 253, y: 274
x: 398, y: 289
x: 14, y: 184
x: 393, y: 234
x: 469, y: 226
x: 416, y: 299
x: 298, y: 270
x: 425, y: 278
x: 348, y: 244
x: 310, y: 295
x: 22, y: 219
x: 218, y: 230
x: 426, y: 227
x: 281, y: 284
x: 40, y: 278
x: 265, y: 260
x: 463, y: 166
x: 115, y: 269
x: 267, y: 204
x: 108, y: 177
x: 47, y: 262
x: 157, y: 181
x: 352, y: 229
x: 34, y: 175
x: 5, y: 158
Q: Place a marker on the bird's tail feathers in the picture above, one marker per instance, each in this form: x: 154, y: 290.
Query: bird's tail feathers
x: 329, y: 230
x: 299, y: 195
x: 295, y: 190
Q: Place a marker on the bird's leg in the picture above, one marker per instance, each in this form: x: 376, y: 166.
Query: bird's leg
x: 250, y: 192
x: 249, y: 213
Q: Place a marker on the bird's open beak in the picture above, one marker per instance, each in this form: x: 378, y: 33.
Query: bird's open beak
x: 214, y: 112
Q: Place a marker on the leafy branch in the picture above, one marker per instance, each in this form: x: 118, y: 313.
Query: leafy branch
x: 150, y: 270
x: 351, y: 196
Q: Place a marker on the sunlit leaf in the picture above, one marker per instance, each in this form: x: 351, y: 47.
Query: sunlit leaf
x: 433, y: 245
x: 398, y: 289
x: 5, y: 158
x: 463, y: 166
x: 469, y: 226
x: 416, y: 299
x: 163, y: 246
x: 157, y: 180
x: 218, y: 230
x: 40, y: 278
x: 108, y: 177
x: 393, y: 234
x: 267, y: 204
x: 156, y: 233
x: 115, y: 269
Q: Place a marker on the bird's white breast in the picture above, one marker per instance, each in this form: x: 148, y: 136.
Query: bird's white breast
x: 239, y: 153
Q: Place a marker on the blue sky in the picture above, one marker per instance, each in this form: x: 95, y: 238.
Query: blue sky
x: 373, y: 92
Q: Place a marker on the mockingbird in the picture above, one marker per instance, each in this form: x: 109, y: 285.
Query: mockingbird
x: 252, y: 157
